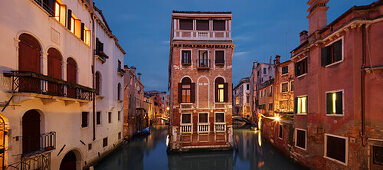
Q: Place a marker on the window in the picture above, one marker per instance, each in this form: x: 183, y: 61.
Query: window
x: 334, y: 103
x: 186, y: 57
x: 301, y: 67
x: 203, y: 58
x: 47, y: 5
x: 219, y: 57
x: 270, y: 106
x: 280, y: 132
x: 258, y: 73
x: 271, y: 91
x: 186, y: 91
x: 301, y: 105
x: 221, y: 94
x: 335, y: 148
x: 119, y: 66
x: 105, y: 142
x: 99, y: 47
x: 89, y: 146
x: 203, y: 118
x: 75, y: 25
x: 119, y: 91
x: 264, y: 70
x: 219, y: 25
x: 86, y: 33
x: 84, y: 118
x: 98, y: 120
x: 60, y: 13
x: 219, y: 117
x: 237, y: 100
x: 284, y: 87
x: 98, y: 83
x: 377, y: 155
x: 186, y: 118
x: 247, y: 86
x: 285, y: 70
x: 332, y: 53
x: 186, y: 24
x: 119, y: 115
x: 109, y: 117
x: 119, y: 135
x: 202, y: 25
x: 292, y: 86
x: 300, y: 138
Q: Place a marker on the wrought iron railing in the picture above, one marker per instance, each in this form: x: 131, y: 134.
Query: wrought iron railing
x: 203, y: 63
x: 25, y: 81
x: 41, y: 161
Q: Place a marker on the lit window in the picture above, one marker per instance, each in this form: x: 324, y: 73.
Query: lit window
x: 75, y: 26
x: 334, y: 103
x: 220, y: 92
x: 301, y: 105
x: 86, y: 35
x: 60, y: 12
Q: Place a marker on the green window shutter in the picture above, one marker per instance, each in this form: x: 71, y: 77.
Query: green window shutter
x: 226, y: 92
x: 69, y: 16
x: 339, y: 103
x: 337, y: 52
x: 329, y: 103
x: 296, y: 105
x: 82, y: 31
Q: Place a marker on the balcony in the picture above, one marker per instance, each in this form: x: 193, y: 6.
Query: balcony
x: 201, y: 35
x: 203, y: 127
x: 30, y: 82
x: 220, y: 127
x: 203, y: 64
x: 47, y: 143
x: 186, y: 128
x: 101, y: 56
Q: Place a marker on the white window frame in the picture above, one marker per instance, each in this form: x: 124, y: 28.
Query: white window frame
x: 325, y: 149
x: 332, y: 42
x: 307, y: 110
x: 186, y: 124
x: 334, y: 91
x: 191, y: 56
x: 295, y: 137
x: 288, y: 86
x: 208, y: 123
x: 287, y: 70
x: 224, y: 117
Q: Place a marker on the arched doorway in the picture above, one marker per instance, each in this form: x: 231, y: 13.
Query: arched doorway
x: 71, y: 76
x: 69, y: 161
x: 31, y: 131
x: 29, y: 60
x: 54, y: 70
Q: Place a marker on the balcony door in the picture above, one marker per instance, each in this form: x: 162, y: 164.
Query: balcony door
x: 71, y: 76
x: 31, y: 131
x: 29, y: 60
x: 54, y: 70
x: 203, y: 58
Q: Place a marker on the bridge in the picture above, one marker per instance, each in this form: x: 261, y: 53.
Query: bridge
x: 239, y: 121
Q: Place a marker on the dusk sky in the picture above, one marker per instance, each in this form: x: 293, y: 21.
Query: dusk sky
x: 260, y: 29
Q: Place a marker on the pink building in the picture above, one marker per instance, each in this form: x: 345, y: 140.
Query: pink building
x: 338, y: 122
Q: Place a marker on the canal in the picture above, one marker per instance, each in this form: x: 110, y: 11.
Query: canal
x: 149, y: 153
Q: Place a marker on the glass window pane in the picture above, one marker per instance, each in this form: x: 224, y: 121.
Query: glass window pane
x: 219, y: 117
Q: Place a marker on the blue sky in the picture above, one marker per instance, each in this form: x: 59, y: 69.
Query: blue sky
x: 260, y: 29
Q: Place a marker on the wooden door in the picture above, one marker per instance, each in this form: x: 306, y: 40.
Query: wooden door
x: 71, y: 77
x: 31, y: 131
x: 29, y: 60
x: 54, y: 70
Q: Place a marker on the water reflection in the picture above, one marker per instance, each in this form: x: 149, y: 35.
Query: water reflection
x: 150, y: 153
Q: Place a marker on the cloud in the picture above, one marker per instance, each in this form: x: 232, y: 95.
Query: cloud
x: 241, y: 38
x: 240, y: 53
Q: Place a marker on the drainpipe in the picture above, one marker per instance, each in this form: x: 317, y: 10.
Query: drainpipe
x: 93, y: 77
x: 362, y: 93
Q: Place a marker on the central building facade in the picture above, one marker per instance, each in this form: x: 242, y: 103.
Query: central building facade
x: 200, y: 76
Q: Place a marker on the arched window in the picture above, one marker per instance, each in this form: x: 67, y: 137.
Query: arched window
x: 186, y: 91
x: 98, y: 83
x: 71, y: 76
x: 119, y: 91
x: 221, y: 90
x: 29, y: 60
x: 54, y: 70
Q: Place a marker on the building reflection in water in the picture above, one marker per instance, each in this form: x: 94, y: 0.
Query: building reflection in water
x: 150, y: 153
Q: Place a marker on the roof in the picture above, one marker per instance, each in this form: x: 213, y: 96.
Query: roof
x: 202, y: 12
x: 243, y: 80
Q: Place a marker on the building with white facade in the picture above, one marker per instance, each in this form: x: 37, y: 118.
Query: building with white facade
x: 241, y: 98
x: 47, y: 104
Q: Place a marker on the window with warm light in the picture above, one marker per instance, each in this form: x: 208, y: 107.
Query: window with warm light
x: 284, y: 87
x: 301, y: 105
x: 186, y: 91
x: 220, y: 93
x: 60, y: 12
x: 334, y: 103
x: 75, y: 26
x: 221, y: 90
x: 86, y: 38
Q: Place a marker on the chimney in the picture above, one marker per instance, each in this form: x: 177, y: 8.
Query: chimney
x: 277, y: 59
x: 139, y: 76
x: 255, y: 64
x: 303, y: 36
x: 317, y: 14
x: 133, y: 69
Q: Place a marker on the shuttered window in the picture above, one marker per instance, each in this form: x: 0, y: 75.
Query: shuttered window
x: 186, y: 118
x: 186, y: 24
x: 334, y: 103
x: 221, y: 90
x: 332, y: 53
x: 203, y: 25
x: 377, y: 152
x: 280, y: 132
x: 301, y: 67
x: 98, y: 118
x: 219, y: 25
x: 186, y: 57
x: 219, y: 57
x: 203, y: 118
x: 84, y: 118
x: 336, y: 148
x: 285, y: 69
x: 186, y: 91
x: 300, y: 139
x: 219, y: 117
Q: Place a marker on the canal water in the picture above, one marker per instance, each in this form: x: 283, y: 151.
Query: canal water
x: 149, y: 153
